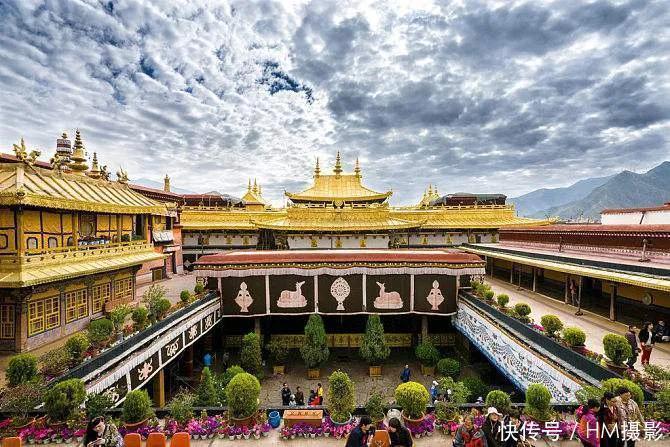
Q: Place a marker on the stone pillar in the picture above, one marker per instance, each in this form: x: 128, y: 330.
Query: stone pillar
x: 424, y: 327
x: 158, y: 383
x: 119, y: 227
x: 75, y: 229
x: 579, y: 296
x: 188, y: 362
x: 613, y: 302
x: 567, y: 289
x: 534, y: 279
x: 257, y: 326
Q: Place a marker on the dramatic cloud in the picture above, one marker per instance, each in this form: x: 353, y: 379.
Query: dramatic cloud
x: 468, y: 95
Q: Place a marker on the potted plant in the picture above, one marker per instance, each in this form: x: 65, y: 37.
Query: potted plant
x: 62, y: 401
x: 19, y: 400
x: 279, y: 353
x: 76, y: 347
x: 575, y: 338
x: 118, y: 316
x: 500, y: 400
x: 140, y: 317
x: 374, y: 349
x: 136, y: 409
x: 251, y: 359
x: 374, y: 407
x: 428, y: 355
x: 180, y: 407
x: 551, y: 324
x: 199, y: 289
x: 413, y: 398
x: 21, y: 368
x: 448, y: 367
x: 503, y: 300
x: 617, y: 350
x: 341, y: 397
x: 100, y: 332
x: 185, y: 297
x: 206, y: 392
x: 489, y: 294
x: 521, y: 312
x: 538, y: 402
x: 97, y: 404
x: 314, y: 351
x: 242, y: 394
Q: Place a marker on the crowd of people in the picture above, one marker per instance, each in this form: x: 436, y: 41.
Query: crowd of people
x: 297, y: 399
x: 644, y: 341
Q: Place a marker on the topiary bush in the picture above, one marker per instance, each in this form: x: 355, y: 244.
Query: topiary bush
x: 459, y: 391
x: 538, y: 402
x: 140, y: 317
x: 574, y: 336
x: 250, y: 355
x: 617, y: 348
x: 100, y: 331
x: 199, y: 288
x: 427, y: 353
x: 449, y: 367
x: 374, y: 349
x: 185, y: 297
x: 477, y: 388
x: 136, y: 407
x: 278, y: 351
x: 160, y: 308
x: 500, y: 400
x: 413, y: 398
x: 62, y: 400
x: 341, y: 396
x: 503, y: 300
x: 242, y: 395
x: 207, y: 395
x: 374, y: 407
x: 76, y: 346
x: 613, y: 385
x: 224, y: 379
x: 489, y: 294
x: 315, y: 349
x: 522, y: 312
x: 97, y: 405
x: 551, y: 324
x: 181, y: 407
x: 21, y: 368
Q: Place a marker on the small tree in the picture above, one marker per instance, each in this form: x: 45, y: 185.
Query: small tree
x: 449, y: 367
x: 413, y: 398
x: 185, y: 297
x: 154, y: 292
x: 500, y: 400
x: 617, y: 348
x: 137, y: 407
x: 250, y: 356
x: 503, y: 300
x: 374, y: 348
x: 341, y: 396
x: 207, y: 395
x: 477, y: 387
x: 159, y: 308
x: 278, y: 350
x: 315, y: 349
x: 19, y: 400
x: 574, y: 336
x: 76, y: 346
x: 489, y: 294
x: 97, y: 404
x: 374, y: 407
x: 100, y: 331
x: 62, y: 400
x: 551, y: 324
x: 21, y: 368
x: 224, y: 379
x: 456, y: 393
x: 140, y: 317
x: 613, y: 385
x: 427, y: 353
x: 538, y: 402
x: 118, y: 316
x: 522, y: 312
x: 242, y: 395
x: 53, y: 363
x: 199, y: 288
x: 181, y: 407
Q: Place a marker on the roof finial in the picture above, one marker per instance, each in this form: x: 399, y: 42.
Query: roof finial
x: 317, y: 169
x: 22, y: 153
x: 430, y: 189
x: 357, y: 169
x: 249, y: 185
x: 259, y: 189
x: 255, y: 189
x: 166, y: 183
x: 338, y: 164
x: 95, y: 168
x: 78, y: 157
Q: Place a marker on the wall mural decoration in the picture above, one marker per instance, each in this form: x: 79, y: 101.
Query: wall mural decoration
x: 340, y: 290
x: 387, y: 300
x: 292, y: 298
x: 388, y: 293
x: 291, y: 294
x: 435, y: 297
x: 243, y: 296
x: 435, y: 294
x: 340, y: 294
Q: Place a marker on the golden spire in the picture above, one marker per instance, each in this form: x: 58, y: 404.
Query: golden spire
x: 249, y: 185
x: 166, y: 183
x: 259, y: 189
x: 317, y: 169
x: 430, y: 189
x: 338, y: 164
x: 95, y: 168
x: 255, y: 188
x: 357, y: 169
x: 78, y: 157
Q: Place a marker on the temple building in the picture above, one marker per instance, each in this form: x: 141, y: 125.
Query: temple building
x: 71, y: 243
x: 339, y: 211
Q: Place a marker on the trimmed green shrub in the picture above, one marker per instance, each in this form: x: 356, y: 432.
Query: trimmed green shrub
x: 250, y: 355
x: 427, y: 353
x: 100, y: 331
x: 242, y: 395
x: 185, y: 297
x: 160, y: 308
x: 278, y: 351
x: 19, y: 400
x: 489, y: 294
x: 574, y: 336
x: 97, y: 404
x: 459, y: 391
x: 224, y: 379
x: 614, y: 384
x: 589, y: 392
x: 374, y: 407
x: 500, y: 400
x: 140, y: 317
x: 118, y: 316
x: 413, y: 398
x: 207, y: 395
x: 181, y: 407
x: 21, y: 368
x: 374, y: 349
x: 136, y: 407
x: 522, y: 309
x: 315, y: 349
x: 477, y: 388
x: 617, y: 348
x: 538, y: 402
x: 551, y: 324
x: 503, y: 300
x: 449, y: 367
x: 76, y: 346
x: 341, y: 396
x: 199, y: 288
x: 662, y: 404
x: 62, y: 400
x: 54, y: 362
x: 153, y: 293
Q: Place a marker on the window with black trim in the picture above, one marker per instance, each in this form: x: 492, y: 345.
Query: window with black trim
x: 31, y: 243
x: 52, y: 242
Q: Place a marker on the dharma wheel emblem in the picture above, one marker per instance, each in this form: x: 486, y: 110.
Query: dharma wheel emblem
x: 340, y: 290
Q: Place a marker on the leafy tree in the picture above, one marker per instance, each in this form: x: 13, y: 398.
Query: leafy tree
x: 62, y: 400
x: 449, y: 367
x: 374, y: 348
x: 207, y: 395
x: 21, y: 368
x: 278, y: 350
x: 315, y: 349
x: 76, y: 346
x: 97, y: 404
x: 118, y: 316
x: 341, y: 396
x: 427, y: 353
x: 250, y: 356
x: 242, y: 395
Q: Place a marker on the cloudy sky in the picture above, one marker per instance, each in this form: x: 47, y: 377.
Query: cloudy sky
x: 468, y: 95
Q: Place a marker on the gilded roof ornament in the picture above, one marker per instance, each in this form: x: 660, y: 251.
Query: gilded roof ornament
x: 104, y: 173
x: 317, y: 169
x: 95, y: 168
x: 338, y: 164
x: 121, y: 176
x: 78, y: 157
x: 357, y: 169
x: 23, y: 155
x: 255, y: 188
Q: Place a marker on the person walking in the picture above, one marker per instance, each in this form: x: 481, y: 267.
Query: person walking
x: 299, y: 396
x: 434, y: 391
x: 207, y: 360
x: 400, y: 436
x: 319, y: 393
x: 647, y: 341
x: 359, y: 435
x: 406, y: 374
x: 632, y: 341
x: 467, y: 435
x: 285, y: 395
x: 587, y: 430
x: 492, y: 428
x: 629, y: 415
x: 661, y: 332
x: 608, y: 418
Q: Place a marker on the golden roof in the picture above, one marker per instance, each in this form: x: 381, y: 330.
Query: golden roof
x: 196, y: 218
x: 253, y: 195
x: 58, y: 264
x: 474, y: 216
x: 24, y: 184
x: 338, y: 187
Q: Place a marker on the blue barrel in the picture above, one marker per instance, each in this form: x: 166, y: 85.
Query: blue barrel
x: 274, y: 419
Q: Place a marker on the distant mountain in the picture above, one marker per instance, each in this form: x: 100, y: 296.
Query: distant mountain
x: 158, y: 185
x: 624, y: 190
x: 537, y: 202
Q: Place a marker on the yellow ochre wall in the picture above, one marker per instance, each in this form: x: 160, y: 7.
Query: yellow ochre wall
x: 7, y: 230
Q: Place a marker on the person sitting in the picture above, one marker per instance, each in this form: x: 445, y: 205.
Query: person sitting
x: 100, y: 433
x: 661, y: 331
x: 400, y: 436
x: 291, y: 402
x: 312, y: 401
x: 467, y: 435
x: 299, y: 396
x: 359, y: 435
